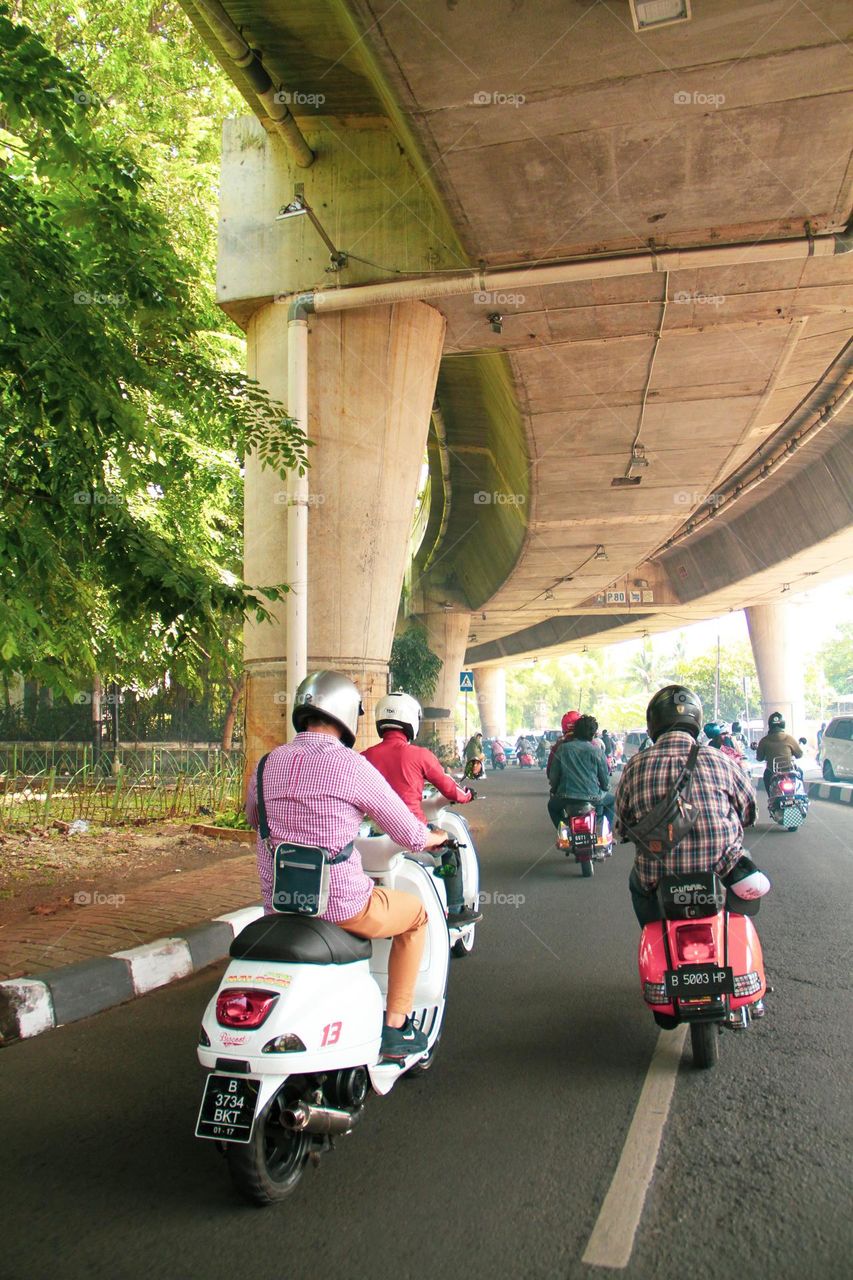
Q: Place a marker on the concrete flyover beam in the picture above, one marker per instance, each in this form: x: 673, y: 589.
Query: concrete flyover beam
x: 372, y: 379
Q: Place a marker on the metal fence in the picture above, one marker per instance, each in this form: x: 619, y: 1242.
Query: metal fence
x: 44, y: 783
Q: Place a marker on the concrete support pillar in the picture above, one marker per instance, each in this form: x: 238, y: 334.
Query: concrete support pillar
x: 447, y: 633
x: 776, y: 649
x: 371, y: 381
x: 490, y: 683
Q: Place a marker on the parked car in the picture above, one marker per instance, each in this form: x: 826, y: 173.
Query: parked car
x: 836, y: 748
x: 634, y: 740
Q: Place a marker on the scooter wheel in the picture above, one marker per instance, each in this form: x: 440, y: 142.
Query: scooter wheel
x: 587, y: 868
x: 465, y: 945
x: 268, y: 1167
x: 704, y: 1041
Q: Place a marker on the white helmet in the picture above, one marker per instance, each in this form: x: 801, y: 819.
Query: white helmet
x: 399, y: 711
x: 751, y: 886
x: 334, y: 698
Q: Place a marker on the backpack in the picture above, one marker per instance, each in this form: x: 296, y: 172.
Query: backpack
x: 668, y: 822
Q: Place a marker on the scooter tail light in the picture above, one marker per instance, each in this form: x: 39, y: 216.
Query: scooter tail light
x: 244, y: 1007
x: 583, y: 823
x: 694, y: 943
x: 655, y: 993
x: 747, y: 984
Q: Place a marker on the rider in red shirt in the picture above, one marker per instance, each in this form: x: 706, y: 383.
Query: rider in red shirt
x: 407, y: 768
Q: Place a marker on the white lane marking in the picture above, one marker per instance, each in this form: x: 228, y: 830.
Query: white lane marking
x: 612, y: 1239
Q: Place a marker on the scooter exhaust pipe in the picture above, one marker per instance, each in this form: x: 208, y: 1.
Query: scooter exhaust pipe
x: 307, y: 1119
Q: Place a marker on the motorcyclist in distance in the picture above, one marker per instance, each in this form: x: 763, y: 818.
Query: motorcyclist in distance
x: 406, y: 768
x: 777, y: 745
x: 579, y: 772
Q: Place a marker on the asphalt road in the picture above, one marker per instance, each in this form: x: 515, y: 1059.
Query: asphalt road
x: 496, y: 1164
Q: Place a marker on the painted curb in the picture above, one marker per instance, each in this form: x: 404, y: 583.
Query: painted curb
x: 837, y: 792
x: 31, y: 1005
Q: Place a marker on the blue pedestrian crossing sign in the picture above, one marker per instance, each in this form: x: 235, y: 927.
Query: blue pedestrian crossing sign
x: 466, y: 681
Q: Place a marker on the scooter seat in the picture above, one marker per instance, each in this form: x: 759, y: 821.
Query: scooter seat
x: 299, y: 940
x: 577, y: 808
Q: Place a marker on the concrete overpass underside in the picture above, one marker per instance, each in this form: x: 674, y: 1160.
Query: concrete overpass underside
x: 623, y: 447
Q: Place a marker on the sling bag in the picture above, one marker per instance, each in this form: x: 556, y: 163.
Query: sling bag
x: 668, y: 822
x: 300, y: 871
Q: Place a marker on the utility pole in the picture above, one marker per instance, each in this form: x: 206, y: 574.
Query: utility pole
x: 96, y: 720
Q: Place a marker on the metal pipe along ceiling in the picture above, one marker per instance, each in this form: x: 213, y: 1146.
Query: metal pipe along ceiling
x: 249, y: 62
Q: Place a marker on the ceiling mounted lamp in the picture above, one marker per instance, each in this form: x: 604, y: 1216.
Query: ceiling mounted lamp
x: 299, y: 206
x: 599, y: 553
x: 646, y: 15
x: 549, y: 594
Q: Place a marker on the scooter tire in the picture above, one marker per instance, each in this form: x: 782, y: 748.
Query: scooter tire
x: 267, y: 1168
x: 705, y: 1043
x: 459, y: 948
x: 587, y: 868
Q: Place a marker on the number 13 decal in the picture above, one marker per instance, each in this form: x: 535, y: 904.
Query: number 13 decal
x: 331, y: 1034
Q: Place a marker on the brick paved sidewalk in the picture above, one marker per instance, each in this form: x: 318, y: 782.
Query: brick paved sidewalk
x: 153, y: 910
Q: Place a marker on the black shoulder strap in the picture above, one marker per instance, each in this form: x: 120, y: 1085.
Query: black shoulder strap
x: 685, y: 782
x: 263, y: 824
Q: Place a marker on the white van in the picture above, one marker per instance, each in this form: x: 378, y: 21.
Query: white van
x: 836, y: 748
x: 634, y: 740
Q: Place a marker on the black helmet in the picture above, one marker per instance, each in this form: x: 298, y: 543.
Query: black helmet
x: 674, y: 707
x: 776, y: 720
x: 736, y: 726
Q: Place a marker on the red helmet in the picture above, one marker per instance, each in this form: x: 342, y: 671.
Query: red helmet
x: 569, y: 720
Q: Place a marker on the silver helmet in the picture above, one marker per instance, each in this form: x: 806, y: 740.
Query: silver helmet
x: 334, y: 698
x: 399, y: 711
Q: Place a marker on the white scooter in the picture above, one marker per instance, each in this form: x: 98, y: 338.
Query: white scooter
x: 438, y: 811
x: 292, y: 1037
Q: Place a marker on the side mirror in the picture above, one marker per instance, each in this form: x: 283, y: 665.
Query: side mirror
x: 754, y: 746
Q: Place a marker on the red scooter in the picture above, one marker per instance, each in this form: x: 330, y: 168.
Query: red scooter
x: 498, y: 756
x: 582, y: 834
x: 525, y: 760
x: 702, y: 962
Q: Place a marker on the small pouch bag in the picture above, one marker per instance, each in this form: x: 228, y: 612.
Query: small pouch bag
x: 668, y: 822
x: 300, y: 871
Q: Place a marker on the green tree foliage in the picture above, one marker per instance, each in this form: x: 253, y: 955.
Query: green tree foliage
x: 836, y: 658
x: 736, y: 662
x: 414, y: 667
x: 617, y: 695
x: 125, y: 416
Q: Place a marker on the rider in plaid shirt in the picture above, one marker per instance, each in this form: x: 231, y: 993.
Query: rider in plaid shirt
x: 721, y: 790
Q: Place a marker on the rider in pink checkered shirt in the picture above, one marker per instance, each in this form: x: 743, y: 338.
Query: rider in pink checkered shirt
x: 317, y: 791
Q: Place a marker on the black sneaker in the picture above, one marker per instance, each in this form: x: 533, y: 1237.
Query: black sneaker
x: 464, y: 916
x: 401, y: 1042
